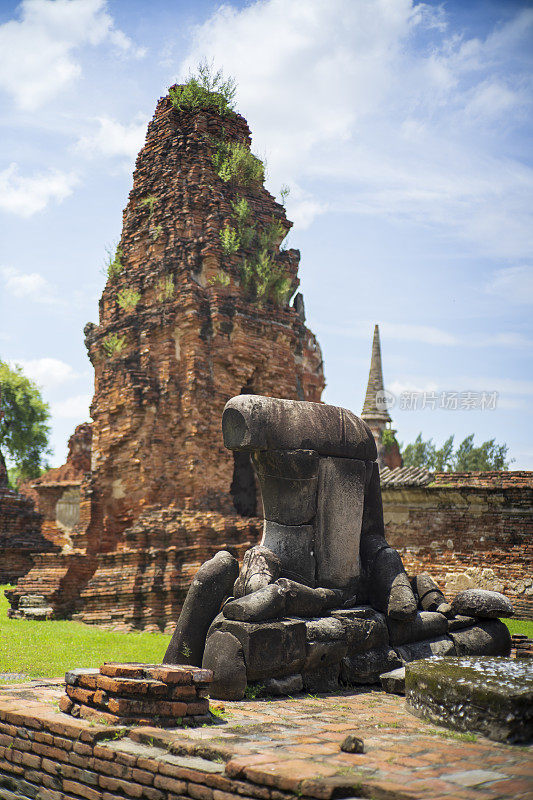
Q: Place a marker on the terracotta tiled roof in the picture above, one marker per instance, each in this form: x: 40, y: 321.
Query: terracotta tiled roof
x: 405, y: 476
x: 497, y: 479
x: 417, y: 476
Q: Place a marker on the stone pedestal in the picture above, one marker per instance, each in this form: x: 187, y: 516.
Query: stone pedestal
x: 491, y: 696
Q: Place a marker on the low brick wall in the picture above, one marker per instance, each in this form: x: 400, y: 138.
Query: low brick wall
x: 45, y: 757
x: 134, y: 694
x: 467, y: 530
x: 269, y: 749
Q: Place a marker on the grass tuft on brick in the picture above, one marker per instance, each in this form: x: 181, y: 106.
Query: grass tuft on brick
x: 48, y: 649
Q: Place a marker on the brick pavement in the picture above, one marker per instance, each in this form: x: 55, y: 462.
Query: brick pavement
x: 270, y: 749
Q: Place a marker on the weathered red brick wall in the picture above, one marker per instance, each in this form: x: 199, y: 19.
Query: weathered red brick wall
x: 20, y: 535
x: 392, y: 458
x: 143, y: 583
x: 51, y: 756
x: 59, y: 488
x: 57, y: 576
x: 467, y: 530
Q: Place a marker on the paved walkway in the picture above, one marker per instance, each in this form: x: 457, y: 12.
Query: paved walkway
x: 294, y: 746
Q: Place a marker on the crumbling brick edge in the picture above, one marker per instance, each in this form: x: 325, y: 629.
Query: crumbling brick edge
x: 47, y: 755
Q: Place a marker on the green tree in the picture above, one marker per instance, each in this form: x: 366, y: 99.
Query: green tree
x: 466, y: 458
x: 487, y: 456
x: 24, y: 431
x: 443, y: 457
x: 419, y: 453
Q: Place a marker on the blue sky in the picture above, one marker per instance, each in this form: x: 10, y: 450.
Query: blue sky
x: 403, y: 130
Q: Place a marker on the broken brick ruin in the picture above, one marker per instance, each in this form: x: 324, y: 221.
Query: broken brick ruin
x: 182, y: 329
x: 57, y: 493
x: 138, y: 694
x: 20, y: 532
x: 179, y: 334
x: 54, y: 500
x: 470, y: 530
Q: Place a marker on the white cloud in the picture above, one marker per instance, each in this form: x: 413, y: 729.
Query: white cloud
x: 505, y: 387
x: 111, y: 138
x: 345, y: 92
x: 405, y: 332
x: 492, y: 99
x: 47, y: 372
x: 39, y: 50
x: 303, y: 207
x: 419, y: 386
x: 28, y: 286
x: 513, y: 284
x: 76, y: 407
x: 26, y: 196
x: 425, y: 334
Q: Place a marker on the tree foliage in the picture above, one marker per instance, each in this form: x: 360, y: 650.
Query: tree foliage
x: 467, y: 457
x: 24, y: 415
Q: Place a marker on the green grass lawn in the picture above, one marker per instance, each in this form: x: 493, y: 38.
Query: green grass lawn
x: 520, y: 626
x: 48, y: 649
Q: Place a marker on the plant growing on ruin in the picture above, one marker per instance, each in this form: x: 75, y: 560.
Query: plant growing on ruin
x: 156, y: 232
x: 241, y: 213
x: 253, y: 690
x: 222, y: 278
x: 128, y: 299
x: 272, y: 236
x: 229, y: 239
x: 149, y: 203
x: 284, y: 193
x: 218, y: 713
x: 388, y: 439
x: 114, y: 265
x: 113, y: 344
x: 206, y: 89
x: 265, y: 279
x: 233, y: 161
x: 165, y: 288
x: 260, y: 274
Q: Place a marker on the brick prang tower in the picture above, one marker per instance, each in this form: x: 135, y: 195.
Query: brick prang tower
x: 165, y: 369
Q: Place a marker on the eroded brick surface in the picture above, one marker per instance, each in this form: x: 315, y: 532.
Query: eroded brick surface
x: 467, y: 530
x: 265, y: 749
x: 132, y: 694
x: 20, y: 534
